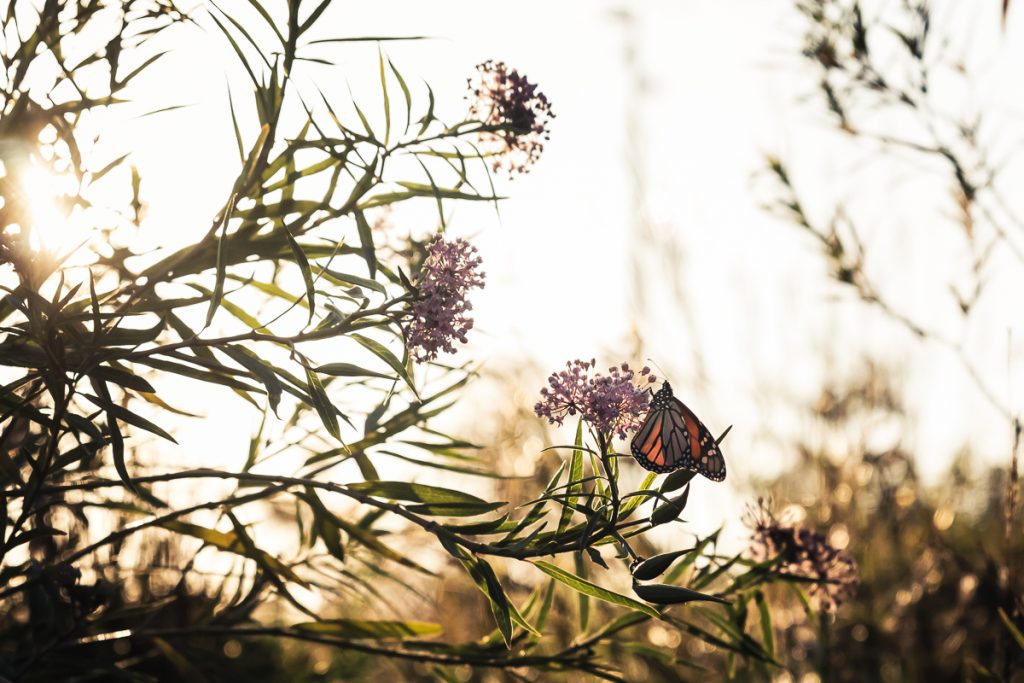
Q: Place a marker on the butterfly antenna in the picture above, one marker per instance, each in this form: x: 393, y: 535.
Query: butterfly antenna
x: 663, y: 374
x: 724, y: 434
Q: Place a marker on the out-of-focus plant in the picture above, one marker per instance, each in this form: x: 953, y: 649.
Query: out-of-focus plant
x: 892, y: 80
x: 293, y: 301
x: 935, y: 594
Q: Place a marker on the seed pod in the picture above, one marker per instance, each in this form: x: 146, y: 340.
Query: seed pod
x: 677, y: 480
x: 670, y: 510
x: 655, y: 566
x: 665, y: 594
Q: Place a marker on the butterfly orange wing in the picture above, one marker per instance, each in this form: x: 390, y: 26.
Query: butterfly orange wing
x: 670, y: 436
x: 709, y: 460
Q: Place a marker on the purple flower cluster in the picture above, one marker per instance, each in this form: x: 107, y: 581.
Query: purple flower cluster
x: 506, y: 99
x: 440, y: 309
x: 804, y: 553
x: 611, y: 404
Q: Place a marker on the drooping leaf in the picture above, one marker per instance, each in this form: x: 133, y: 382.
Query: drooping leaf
x: 230, y: 542
x: 366, y: 243
x: 125, y: 415
x: 348, y: 370
x: 418, y: 493
x: 385, y: 355
x: 262, y: 370
x: 593, y: 590
x: 307, y: 275
x: 324, y: 408
x: 575, y: 475
x: 365, y: 629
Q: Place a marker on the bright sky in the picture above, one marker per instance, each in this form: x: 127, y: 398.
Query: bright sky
x: 723, y: 87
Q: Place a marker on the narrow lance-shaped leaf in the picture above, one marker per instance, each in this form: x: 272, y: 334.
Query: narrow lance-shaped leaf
x: 222, y: 261
x: 505, y: 613
x: 322, y: 404
x: 382, y: 352
x: 366, y: 243
x: 575, y: 475
x: 387, y: 100
x: 406, y: 93
x: 260, y: 369
x: 593, y: 590
x: 186, y: 670
x: 303, y: 263
x: 365, y: 629
x: 767, y: 636
x: 584, y: 598
x: 1012, y: 628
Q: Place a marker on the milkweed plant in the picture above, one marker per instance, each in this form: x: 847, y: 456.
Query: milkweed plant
x: 116, y: 564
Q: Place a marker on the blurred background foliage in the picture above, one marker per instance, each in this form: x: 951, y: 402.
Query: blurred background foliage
x: 939, y: 595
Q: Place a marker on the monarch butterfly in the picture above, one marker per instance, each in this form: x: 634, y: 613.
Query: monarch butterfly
x: 671, y: 438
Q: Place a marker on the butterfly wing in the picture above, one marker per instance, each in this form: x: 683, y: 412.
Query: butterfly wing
x: 708, y: 459
x: 661, y: 443
x: 673, y: 438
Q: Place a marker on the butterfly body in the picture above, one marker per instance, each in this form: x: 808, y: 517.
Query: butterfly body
x: 672, y: 438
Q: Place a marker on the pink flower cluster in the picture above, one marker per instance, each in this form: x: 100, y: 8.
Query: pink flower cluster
x: 804, y: 553
x: 506, y: 99
x: 611, y: 404
x: 440, y: 309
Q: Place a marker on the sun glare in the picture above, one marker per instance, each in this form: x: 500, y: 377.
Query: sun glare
x: 56, y: 227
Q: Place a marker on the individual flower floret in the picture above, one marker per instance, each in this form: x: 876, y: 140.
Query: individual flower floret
x: 520, y: 114
x: 806, y: 554
x: 440, y: 310
x: 611, y: 403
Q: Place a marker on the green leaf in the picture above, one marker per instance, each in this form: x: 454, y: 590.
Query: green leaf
x: 637, y: 498
x: 575, y: 474
x: 322, y: 404
x: 490, y: 526
x: 692, y: 557
x: 260, y: 369
x: 122, y: 377
x: 125, y: 415
x: 186, y: 670
x: 222, y: 261
x: 303, y: 263
x: 376, y: 630
x: 230, y: 542
x: 405, y: 91
x: 366, y: 242
x: 33, y: 534
x: 387, y: 100
x: 584, y: 599
x: 666, y: 594
x: 362, y: 118
x: 487, y: 581
x: 381, y: 352
x: 454, y: 509
x: 368, y: 539
x: 767, y: 636
x: 593, y: 590
x: 417, y: 493
x: 349, y: 370
x: 350, y: 279
x: 1012, y: 628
